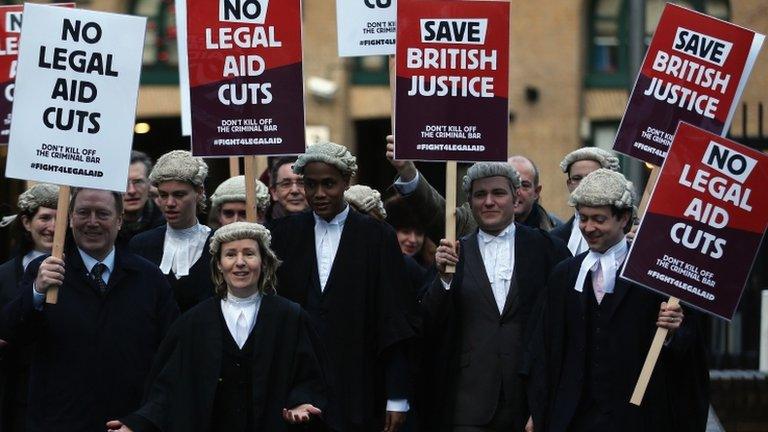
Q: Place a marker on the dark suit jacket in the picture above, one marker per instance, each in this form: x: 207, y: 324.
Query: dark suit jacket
x: 484, y: 348
x: 677, y: 396
x: 286, y: 369
x: 563, y: 232
x: 362, y: 315
x: 92, y: 351
x: 14, y: 361
x: 188, y: 290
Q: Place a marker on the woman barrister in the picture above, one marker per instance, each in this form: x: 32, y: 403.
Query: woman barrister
x: 244, y: 360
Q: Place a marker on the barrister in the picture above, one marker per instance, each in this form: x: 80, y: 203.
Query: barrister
x: 347, y: 271
x: 476, y: 321
x: 596, y: 330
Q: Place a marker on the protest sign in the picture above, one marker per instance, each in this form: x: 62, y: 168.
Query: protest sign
x: 452, y: 80
x: 245, y: 73
x: 10, y: 29
x: 694, y: 71
x: 366, y: 27
x: 704, y: 223
x: 75, y: 97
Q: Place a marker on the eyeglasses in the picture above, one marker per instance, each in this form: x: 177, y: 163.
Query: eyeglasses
x: 229, y: 214
x: 287, y: 184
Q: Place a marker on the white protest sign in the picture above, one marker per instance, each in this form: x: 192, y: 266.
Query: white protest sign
x: 181, y: 41
x: 75, y: 99
x: 366, y: 27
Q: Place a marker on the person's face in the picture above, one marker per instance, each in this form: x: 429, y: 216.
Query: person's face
x: 240, y: 265
x: 178, y: 202
x: 324, y: 186
x: 411, y: 240
x: 600, y: 228
x: 578, y: 171
x: 136, y: 195
x: 41, y: 228
x: 493, y: 203
x: 95, y: 222
x: 289, y: 190
x: 231, y: 212
x: 527, y: 193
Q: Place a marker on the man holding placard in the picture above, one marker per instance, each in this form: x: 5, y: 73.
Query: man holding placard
x: 596, y: 329
x: 94, y: 348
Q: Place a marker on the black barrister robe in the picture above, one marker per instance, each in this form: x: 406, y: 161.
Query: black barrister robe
x: 189, y: 290
x: 361, y: 316
x: 14, y: 361
x: 677, y: 397
x: 286, y: 369
x: 471, y: 350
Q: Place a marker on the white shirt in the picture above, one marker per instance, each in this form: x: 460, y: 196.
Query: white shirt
x: 29, y: 257
x: 182, y: 248
x: 498, y: 254
x: 89, y: 262
x: 327, y: 238
x: 244, y: 309
x: 576, y: 242
x: 405, y: 188
x: 610, y: 261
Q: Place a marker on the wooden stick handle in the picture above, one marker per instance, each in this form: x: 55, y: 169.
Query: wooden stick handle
x: 234, y: 166
x: 450, y: 206
x: 59, y: 236
x: 646, y: 198
x: 250, y: 188
x: 650, y: 360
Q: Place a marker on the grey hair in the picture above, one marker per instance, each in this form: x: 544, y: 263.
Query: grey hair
x: 482, y: 170
x: 605, y: 158
x: 330, y: 153
x: 233, y: 190
x: 240, y: 231
x: 179, y: 165
x: 604, y: 187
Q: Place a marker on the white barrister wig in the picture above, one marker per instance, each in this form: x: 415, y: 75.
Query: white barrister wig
x: 39, y: 195
x: 365, y: 199
x: 482, y: 170
x: 233, y: 190
x: 605, y: 158
x: 239, y: 231
x: 603, y: 187
x: 330, y: 153
x: 181, y: 166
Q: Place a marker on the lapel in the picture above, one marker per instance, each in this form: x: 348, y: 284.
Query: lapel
x: 475, y: 268
x: 573, y: 274
x: 264, y: 335
x: 619, y: 292
x: 524, y: 259
x: 119, y: 272
x: 345, y: 252
x: 206, y: 358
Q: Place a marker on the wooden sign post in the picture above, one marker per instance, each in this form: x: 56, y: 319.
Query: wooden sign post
x: 250, y: 188
x: 450, y: 206
x: 59, y: 236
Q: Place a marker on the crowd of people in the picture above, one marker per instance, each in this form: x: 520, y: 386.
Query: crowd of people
x: 338, y: 309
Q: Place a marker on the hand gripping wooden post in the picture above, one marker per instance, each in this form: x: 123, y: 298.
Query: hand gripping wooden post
x: 59, y: 235
x: 661, y: 333
x: 450, y: 207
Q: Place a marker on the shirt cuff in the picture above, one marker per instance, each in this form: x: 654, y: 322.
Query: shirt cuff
x: 446, y: 285
x: 37, y: 299
x: 398, y: 405
x: 406, y: 188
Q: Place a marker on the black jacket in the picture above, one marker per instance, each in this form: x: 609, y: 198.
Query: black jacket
x: 14, y: 360
x: 474, y: 349
x: 677, y: 398
x: 563, y: 232
x: 92, y: 352
x: 151, y: 217
x: 286, y: 369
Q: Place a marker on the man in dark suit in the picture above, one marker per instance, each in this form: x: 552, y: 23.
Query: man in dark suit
x: 180, y: 247
x: 577, y: 165
x: 347, y: 271
x: 477, y: 319
x: 94, y: 348
x: 596, y: 329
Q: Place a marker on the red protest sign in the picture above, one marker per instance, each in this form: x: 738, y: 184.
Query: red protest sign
x: 10, y: 30
x: 694, y: 71
x: 704, y: 223
x: 452, y: 80
x: 245, y: 74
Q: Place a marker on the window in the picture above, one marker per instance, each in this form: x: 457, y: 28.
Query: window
x: 161, y: 57
x: 370, y: 70
x: 608, y: 37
